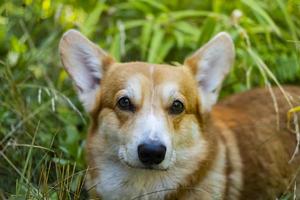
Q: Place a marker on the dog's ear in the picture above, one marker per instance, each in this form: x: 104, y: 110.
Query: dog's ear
x: 85, y: 63
x: 210, y: 64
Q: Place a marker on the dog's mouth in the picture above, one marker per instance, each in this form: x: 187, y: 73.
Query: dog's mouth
x: 142, y: 167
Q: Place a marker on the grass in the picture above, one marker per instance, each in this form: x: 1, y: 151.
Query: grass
x: 42, y: 126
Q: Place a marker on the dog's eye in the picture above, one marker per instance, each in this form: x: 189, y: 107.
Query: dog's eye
x: 124, y: 103
x: 177, y: 107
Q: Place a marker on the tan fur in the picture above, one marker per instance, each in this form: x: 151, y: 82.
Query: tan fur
x: 234, y: 150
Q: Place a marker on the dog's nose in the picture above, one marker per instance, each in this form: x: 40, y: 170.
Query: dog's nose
x: 151, y: 153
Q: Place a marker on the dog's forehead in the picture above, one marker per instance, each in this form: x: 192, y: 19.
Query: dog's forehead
x: 140, y: 79
x: 152, y: 73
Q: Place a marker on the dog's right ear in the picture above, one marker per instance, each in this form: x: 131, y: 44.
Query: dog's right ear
x: 85, y: 63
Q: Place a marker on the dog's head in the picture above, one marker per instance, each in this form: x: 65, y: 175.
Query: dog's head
x: 146, y: 116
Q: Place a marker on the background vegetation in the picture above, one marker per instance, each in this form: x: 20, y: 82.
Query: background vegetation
x: 42, y: 127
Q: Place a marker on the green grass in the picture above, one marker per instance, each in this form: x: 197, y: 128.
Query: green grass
x: 42, y: 126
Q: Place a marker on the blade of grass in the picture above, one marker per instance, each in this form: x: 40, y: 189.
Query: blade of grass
x: 288, y: 19
x: 258, y: 10
x: 145, y: 36
x: 156, y: 42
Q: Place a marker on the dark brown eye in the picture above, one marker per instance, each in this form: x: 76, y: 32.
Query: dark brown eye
x: 177, y: 107
x: 125, y: 104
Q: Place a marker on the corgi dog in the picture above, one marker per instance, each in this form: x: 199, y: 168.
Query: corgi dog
x: 156, y: 131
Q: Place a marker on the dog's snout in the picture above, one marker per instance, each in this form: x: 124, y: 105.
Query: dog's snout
x: 151, y: 153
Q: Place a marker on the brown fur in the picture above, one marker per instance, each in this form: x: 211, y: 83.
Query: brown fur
x: 265, y: 148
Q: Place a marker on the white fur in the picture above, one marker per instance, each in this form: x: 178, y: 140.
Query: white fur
x: 88, y: 98
x: 213, y: 186
x: 134, y: 88
x: 170, y: 92
x: 236, y: 176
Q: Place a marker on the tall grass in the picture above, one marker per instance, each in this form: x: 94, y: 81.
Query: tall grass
x: 42, y: 129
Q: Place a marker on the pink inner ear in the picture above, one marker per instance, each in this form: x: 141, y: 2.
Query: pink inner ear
x: 84, y: 66
x: 93, y: 70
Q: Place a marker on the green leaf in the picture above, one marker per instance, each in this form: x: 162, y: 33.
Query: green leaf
x: 156, y: 4
x: 179, y: 36
x: 158, y: 35
x: 164, y: 49
x: 182, y: 14
x: 187, y: 28
x: 133, y: 23
x: 115, y: 48
x: 207, y: 31
x: 288, y: 19
x: 260, y: 12
x: 145, y: 37
x: 89, y: 26
x: 138, y: 5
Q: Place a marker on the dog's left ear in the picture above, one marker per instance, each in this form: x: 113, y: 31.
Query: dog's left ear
x: 210, y: 64
x: 86, y: 64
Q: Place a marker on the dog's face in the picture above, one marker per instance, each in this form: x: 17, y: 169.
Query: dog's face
x: 147, y: 112
x: 147, y: 116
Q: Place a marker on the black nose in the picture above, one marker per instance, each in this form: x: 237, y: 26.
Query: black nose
x: 151, y: 153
